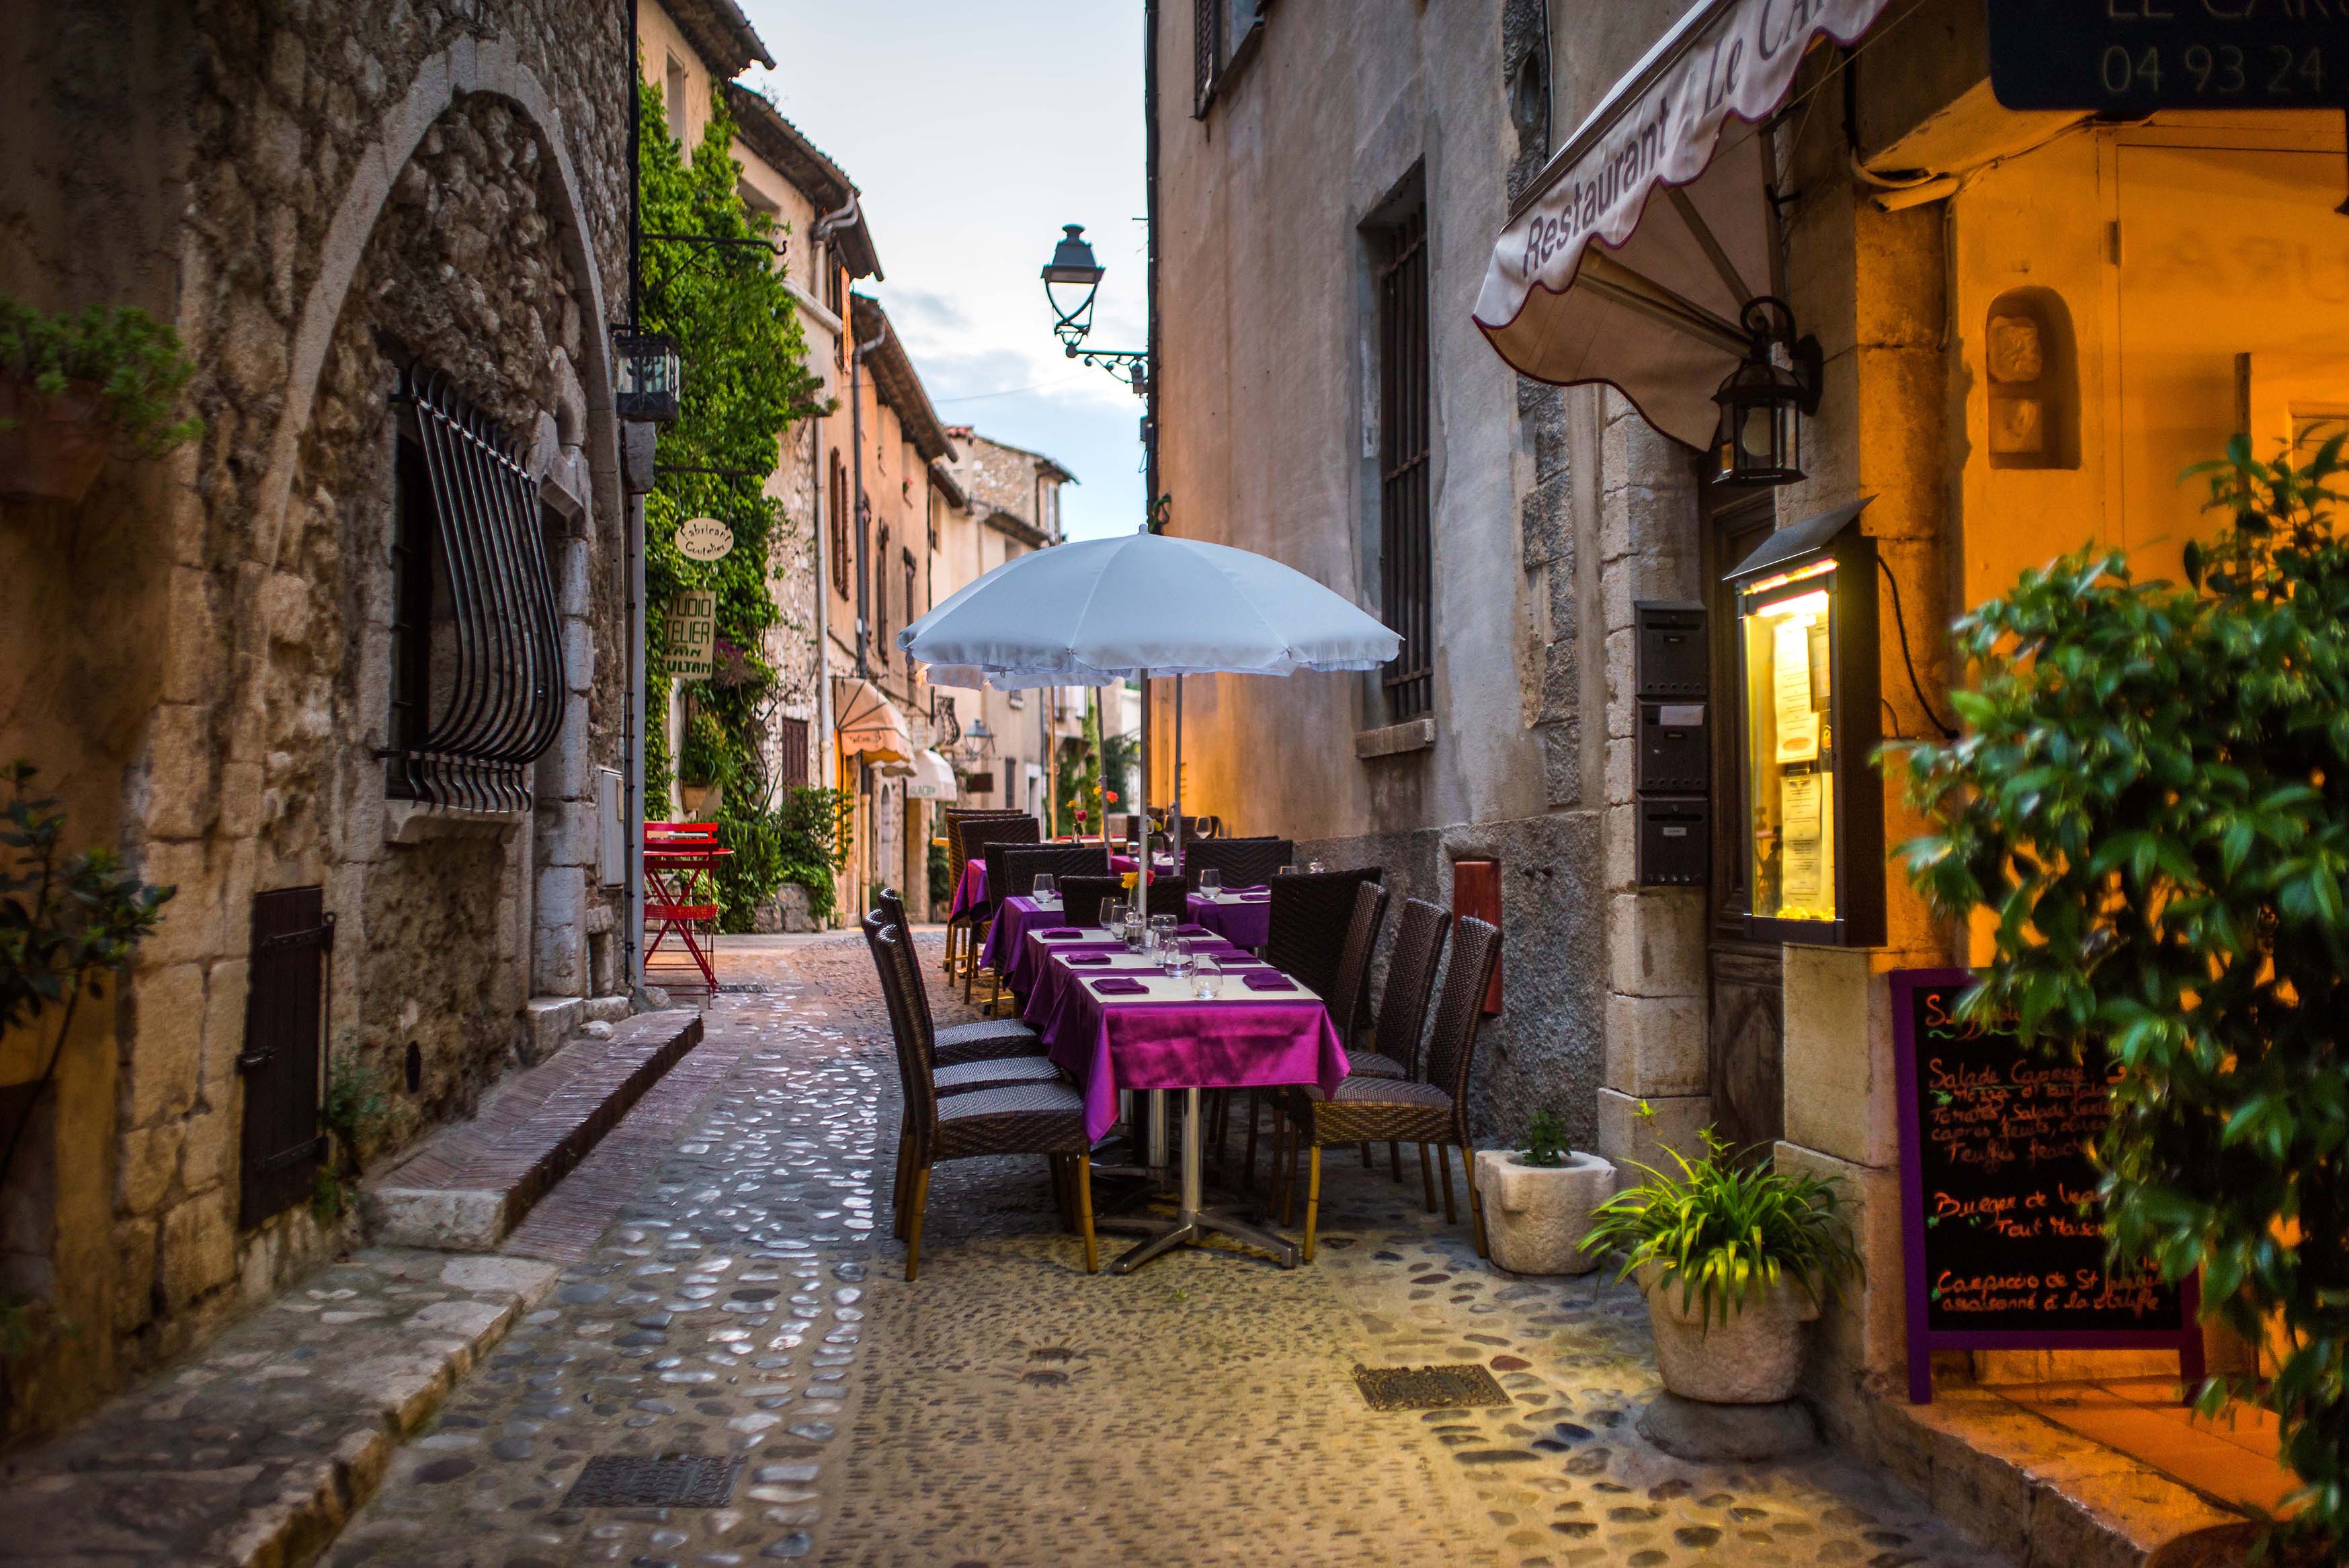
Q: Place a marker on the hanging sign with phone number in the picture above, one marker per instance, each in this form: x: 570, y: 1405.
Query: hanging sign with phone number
x: 2134, y: 56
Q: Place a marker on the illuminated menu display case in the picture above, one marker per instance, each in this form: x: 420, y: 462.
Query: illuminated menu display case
x: 1813, y: 800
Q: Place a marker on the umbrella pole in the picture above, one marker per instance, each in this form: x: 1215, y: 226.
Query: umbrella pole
x: 1141, y: 900
x: 1175, y: 815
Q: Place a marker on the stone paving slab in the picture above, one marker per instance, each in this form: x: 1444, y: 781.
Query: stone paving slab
x: 469, y: 1185
x: 254, y: 1452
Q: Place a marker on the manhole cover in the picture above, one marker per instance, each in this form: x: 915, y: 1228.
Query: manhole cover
x: 1463, y: 1384
x: 653, y: 1480
x: 743, y: 988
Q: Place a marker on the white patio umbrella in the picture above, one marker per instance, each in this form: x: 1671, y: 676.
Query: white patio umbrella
x: 1144, y: 604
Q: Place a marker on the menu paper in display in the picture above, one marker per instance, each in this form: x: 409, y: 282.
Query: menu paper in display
x: 1803, y: 868
x: 1790, y: 690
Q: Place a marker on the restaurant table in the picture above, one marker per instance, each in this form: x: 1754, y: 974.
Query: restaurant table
x: 1126, y: 865
x: 1008, y: 950
x: 1162, y: 1037
x: 681, y: 891
x: 1096, y: 951
x: 971, y: 888
x: 1243, y: 914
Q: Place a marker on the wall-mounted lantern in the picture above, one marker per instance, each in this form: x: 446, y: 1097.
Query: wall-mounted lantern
x: 1764, y: 399
x: 1814, y: 837
x: 1071, y: 282
x: 648, y: 379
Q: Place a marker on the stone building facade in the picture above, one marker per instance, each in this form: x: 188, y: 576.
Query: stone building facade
x: 1290, y: 218
x: 1005, y: 501
x: 361, y: 221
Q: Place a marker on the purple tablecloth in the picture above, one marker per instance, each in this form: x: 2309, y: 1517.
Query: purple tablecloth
x: 970, y: 891
x: 1247, y: 923
x: 1013, y: 917
x: 1040, y: 981
x: 1125, y: 865
x: 1247, y: 1040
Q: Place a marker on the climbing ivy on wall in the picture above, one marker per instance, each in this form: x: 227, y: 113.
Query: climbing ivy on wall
x: 745, y: 381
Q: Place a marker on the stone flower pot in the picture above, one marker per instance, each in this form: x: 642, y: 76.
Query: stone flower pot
x: 1753, y: 1358
x: 1537, y: 1215
x: 50, y: 448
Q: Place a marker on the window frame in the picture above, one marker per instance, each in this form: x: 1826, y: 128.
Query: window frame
x: 1406, y: 454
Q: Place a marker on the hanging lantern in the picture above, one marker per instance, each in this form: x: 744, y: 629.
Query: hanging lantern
x: 1763, y: 400
x: 648, y: 377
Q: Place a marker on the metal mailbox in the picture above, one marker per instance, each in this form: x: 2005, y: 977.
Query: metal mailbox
x: 1674, y: 755
x: 1675, y: 834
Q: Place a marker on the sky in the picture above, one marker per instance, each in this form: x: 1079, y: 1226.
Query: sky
x: 975, y: 130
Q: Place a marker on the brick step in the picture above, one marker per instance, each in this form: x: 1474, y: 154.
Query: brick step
x: 465, y: 1189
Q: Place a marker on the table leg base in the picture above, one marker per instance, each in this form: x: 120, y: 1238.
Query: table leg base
x: 1194, y: 1229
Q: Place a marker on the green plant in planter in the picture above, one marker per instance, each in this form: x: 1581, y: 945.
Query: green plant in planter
x: 1724, y: 1231
x: 2153, y: 800
x: 1545, y: 1141
x: 133, y: 359
x: 66, y: 921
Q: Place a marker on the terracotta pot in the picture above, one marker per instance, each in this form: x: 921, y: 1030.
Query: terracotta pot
x: 50, y: 448
x: 1755, y: 1358
x: 1537, y: 1215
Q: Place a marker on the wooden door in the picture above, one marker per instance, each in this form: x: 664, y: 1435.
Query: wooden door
x: 284, y: 1016
x: 1745, y: 1026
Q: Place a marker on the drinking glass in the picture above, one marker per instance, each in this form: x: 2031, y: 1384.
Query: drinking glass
x: 1114, y: 916
x: 1144, y: 940
x: 1207, y: 979
x: 1314, y: 867
x: 1175, y: 956
x: 1046, y: 887
x: 1211, y: 882
x: 1164, y: 925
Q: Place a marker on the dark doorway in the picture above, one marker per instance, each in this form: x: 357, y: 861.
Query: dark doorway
x: 1746, y: 1026
x: 283, y: 1014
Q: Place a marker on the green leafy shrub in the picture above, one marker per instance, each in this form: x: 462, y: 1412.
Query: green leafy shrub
x: 134, y: 359
x: 1725, y: 1229
x: 1545, y: 1141
x: 66, y: 921
x: 942, y: 877
x: 801, y: 840
x: 2153, y: 800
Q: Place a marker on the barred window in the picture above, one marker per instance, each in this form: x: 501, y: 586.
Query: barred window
x: 477, y: 678
x: 1406, y: 548
x: 1207, y: 52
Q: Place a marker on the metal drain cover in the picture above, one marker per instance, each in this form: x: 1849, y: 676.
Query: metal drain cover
x: 655, y: 1481
x: 1463, y: 1384
x: 743, y: 988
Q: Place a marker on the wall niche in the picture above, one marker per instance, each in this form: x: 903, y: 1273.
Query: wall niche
x: 2033, y: 368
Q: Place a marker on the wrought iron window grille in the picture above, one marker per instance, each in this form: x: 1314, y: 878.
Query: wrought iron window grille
x: 471, y: 713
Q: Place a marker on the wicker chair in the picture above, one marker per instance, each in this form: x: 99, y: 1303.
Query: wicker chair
x: 965, y: 834
x: 1021, y: 865
x: 1244, y: 862
x: 986, y: 842
x: 1171, y: 895
x: 1347, y: 992
x: 958, y: 1045
x: 1308, y: 919
x: 1081, y: 897
x: 1412, y: 964
x: 1047, y: 1118
x: 1404, y: 1110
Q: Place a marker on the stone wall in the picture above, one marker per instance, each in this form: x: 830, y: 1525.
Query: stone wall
x: 318, y: 190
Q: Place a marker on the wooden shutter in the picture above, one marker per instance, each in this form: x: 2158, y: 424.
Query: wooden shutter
x: 284, y: 1008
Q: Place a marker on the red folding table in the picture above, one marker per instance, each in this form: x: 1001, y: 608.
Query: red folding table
x: 681, y: 890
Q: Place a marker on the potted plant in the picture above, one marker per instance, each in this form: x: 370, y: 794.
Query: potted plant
x: 72, y: 386
x: 1539, y: 1201
x: 1734, y: 1258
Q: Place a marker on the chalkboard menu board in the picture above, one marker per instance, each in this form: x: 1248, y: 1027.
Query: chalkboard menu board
x: 2134, y: 56
x: 2003, y: 1243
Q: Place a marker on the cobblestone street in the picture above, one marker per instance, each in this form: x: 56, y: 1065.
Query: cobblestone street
x: 1008, y: 1409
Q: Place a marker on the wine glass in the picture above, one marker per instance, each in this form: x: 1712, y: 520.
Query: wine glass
x: 1314, y: 867
x: 1114, y: 916
x: 1211, y: 882
x: 1176, y: 956
x: 1207, y: 979
x: 1046, y: 888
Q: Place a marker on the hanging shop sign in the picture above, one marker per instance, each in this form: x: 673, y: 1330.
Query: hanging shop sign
x: 2133, y: 56
x: 1814, y: 837
x: 2004, y: 1247
x: 704, y: 539
x: 692, y: 644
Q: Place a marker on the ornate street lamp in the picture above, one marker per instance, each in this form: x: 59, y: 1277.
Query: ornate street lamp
x: 1073, y: 268
x: 1763, y: 400
x: 977, y: 742
x: 648, y: 377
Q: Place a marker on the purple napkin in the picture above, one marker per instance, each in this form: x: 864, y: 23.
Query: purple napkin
x: 1060, y: 932
x: 1119, y: 985
x: 1275, y: 981
x: 1086, y: 959
x: 1261, y: 895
